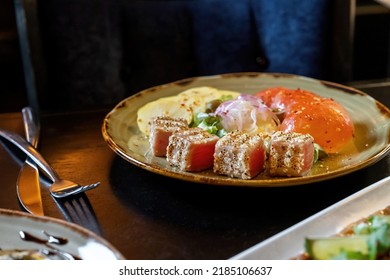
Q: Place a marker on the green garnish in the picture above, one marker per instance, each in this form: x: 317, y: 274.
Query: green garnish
x: 210, y: 123
x: 208, y: 120
x: 379, y: 238
x: 226, y: 97
x: 319, y: 153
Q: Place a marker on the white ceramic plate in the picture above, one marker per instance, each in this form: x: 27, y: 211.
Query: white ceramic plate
x: 330, y: 221
x: 80, y: 242
x: 371, y: 120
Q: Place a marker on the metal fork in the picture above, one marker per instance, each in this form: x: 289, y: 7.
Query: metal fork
x: 60, y: 188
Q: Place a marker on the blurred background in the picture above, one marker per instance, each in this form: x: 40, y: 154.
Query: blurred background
x: 370, y: 50
x: 12, y: 87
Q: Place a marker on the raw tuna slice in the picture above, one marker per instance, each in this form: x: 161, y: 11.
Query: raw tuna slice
x: 161, y: 129
x: 240, y: 155
x: 291, y: 154
x: 191, y: 149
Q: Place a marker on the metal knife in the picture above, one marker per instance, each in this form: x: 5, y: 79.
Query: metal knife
x: 28, y: 185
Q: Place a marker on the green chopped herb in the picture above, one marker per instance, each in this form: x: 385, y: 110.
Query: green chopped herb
x: 210, y: 123
x: 379, y: 239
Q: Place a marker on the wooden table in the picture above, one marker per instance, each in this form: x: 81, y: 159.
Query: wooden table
x: 148, y: 216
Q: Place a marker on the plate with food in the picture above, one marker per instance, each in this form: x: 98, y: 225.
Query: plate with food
x: 356, y: 228
x: 27, y: 237
x: 250, y: 129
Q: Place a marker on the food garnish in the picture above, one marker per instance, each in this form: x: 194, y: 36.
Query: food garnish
x: 319, y: 153
x: 248, y: 114
x: 210, y: 122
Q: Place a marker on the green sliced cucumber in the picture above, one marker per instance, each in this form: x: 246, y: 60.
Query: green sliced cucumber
x: 329, y: 248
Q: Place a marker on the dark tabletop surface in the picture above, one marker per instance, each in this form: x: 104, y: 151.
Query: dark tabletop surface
x: 148, y: 216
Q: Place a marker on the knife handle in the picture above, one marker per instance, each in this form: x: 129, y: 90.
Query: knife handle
x: 29, y: 150
x: 31, y: 126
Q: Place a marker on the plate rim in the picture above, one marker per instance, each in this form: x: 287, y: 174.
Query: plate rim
x: 86, y: 233
x: 226, y: 181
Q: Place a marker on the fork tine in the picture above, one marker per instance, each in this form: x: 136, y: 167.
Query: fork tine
x: 78, y: 209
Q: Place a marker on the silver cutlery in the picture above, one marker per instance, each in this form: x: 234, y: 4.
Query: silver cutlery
x: 28, y: 186
x: 60, y: 188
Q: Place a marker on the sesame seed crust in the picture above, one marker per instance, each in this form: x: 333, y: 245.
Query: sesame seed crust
x: 288, y: 153
x: 233, y: 152
x: 181, y: 144
x: 168, y: 123
x: 161, y: 128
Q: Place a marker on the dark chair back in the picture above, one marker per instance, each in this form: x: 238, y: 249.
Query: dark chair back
x: 81, y: 54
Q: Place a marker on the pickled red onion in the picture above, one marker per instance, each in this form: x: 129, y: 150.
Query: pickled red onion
x: 247, y: 113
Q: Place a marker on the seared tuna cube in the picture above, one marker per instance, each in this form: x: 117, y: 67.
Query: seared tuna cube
x: 291, y: 154
x: 191, y: 149
x: 161, y: 129
x: 240, y: 155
